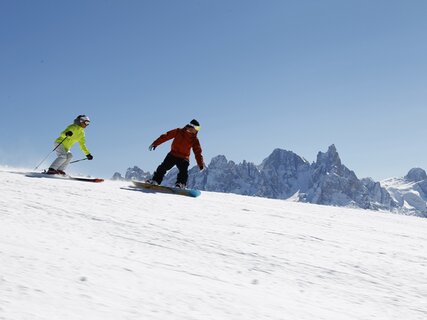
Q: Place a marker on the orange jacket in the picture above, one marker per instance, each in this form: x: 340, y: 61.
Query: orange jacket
x: 183, y: 142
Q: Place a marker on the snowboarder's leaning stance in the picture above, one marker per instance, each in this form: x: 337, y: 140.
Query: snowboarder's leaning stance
x: 72, y: 134
x: 184, y: 139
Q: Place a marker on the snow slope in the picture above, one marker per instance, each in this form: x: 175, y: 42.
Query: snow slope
x: 77, y: 250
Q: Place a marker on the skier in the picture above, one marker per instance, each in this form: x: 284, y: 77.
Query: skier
x: 184, y: 139
x: 72, y: 134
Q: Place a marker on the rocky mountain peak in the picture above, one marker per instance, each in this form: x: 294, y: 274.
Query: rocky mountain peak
x: 283, y: 158
x: 219, y: 161
x: 329, y: 159
x: 416, y: 174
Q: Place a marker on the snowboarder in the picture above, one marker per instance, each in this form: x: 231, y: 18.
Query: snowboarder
x: 72, y: 134
x: 184, y: 139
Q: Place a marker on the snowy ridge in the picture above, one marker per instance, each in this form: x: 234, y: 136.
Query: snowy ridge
x: 410, y: 192
x: 286, y: 175
x: 73, y: 250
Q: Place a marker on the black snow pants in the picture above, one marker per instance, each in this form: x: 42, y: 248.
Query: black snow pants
x: 167, y: 164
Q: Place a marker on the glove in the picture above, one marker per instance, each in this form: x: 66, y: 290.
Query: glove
x: 152, y: 147
x: 89, y: 156
x: 202, y: 168
x: 69, y: 133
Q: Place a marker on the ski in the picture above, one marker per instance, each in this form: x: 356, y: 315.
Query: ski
x: 87, y: 179
x: 141, y: 185
x: 63, y: 177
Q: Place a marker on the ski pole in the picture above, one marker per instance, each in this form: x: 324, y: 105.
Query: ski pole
x: 78, y: 160
x: 50, y: 153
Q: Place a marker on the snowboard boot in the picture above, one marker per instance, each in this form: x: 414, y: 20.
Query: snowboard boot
x: 180, y: 185
x: 151, y: 181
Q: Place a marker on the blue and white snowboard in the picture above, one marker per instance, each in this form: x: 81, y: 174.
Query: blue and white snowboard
x: 153, y: 188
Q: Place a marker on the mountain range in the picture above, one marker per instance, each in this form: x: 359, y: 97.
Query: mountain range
x: 286, y: 175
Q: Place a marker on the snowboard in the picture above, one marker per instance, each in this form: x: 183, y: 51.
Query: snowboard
x: 58, y: 176
x: 153, y: 188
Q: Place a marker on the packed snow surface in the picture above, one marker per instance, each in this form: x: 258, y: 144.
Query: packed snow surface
x: 79, y: 250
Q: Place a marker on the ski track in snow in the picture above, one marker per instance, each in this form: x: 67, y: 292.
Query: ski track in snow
x: 78, y: 250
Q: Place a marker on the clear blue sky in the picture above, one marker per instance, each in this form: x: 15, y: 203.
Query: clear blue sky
x: 258, y: 75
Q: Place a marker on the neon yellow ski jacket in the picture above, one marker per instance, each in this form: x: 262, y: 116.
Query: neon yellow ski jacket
x: 78, y: 136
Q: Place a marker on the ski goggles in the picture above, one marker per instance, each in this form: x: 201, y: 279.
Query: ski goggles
x: 195, y: 127
x: 85, y: 120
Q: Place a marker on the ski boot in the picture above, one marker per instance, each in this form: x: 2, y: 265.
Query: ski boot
x: 52, y: 171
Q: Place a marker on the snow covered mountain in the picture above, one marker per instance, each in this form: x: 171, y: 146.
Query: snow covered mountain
x: 409, y: 192
x: 285, y: 175
x: 74, y: 250
x: 332, y: 183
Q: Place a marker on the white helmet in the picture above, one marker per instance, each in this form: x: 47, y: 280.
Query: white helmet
x: 82, y: 119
